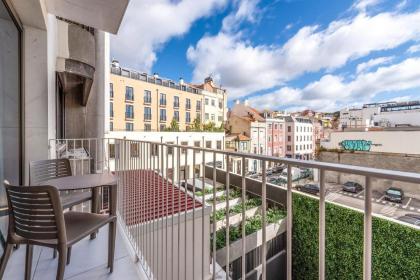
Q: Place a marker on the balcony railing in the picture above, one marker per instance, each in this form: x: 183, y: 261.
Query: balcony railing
x: 186, y: 219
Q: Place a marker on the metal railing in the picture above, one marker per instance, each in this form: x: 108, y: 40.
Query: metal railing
x: 170, y: 195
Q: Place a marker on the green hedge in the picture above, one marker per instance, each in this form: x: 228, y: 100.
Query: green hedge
x: 396, y: 248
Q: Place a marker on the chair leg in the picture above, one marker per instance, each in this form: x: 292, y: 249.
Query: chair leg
x: 111, y: 245
x: 5, y: 258
x: 28, y: 261
x: 62, y: 259
x: 68, y: 255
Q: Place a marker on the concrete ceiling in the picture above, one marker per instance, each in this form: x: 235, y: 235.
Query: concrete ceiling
x: 104, y: 15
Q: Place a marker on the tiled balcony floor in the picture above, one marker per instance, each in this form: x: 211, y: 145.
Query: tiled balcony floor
x: 88, y: 261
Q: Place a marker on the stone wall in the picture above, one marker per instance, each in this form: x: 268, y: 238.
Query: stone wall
x: 400, y: 162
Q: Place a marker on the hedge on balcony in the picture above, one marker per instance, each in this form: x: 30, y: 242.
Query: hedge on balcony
x: 396, y: 248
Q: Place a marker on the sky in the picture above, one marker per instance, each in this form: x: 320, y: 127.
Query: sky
x: 282, y: 54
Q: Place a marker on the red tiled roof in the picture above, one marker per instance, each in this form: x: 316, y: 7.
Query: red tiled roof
x: 147, y: 196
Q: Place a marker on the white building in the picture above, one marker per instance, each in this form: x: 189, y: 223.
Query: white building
x: 210, y: 140
x: 389, y: 114
x: 385, y: 141
x: 215, y: 103
x: 299, y: 138
x: 398, y: 114
x: 359, y: 118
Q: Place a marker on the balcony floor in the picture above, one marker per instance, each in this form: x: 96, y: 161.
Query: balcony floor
x: 88, y: 261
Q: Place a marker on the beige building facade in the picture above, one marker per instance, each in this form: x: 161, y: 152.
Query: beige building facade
x: 142, y: 102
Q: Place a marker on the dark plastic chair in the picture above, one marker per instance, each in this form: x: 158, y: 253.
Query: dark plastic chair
x: 36, y: 218
x: 42, y: 170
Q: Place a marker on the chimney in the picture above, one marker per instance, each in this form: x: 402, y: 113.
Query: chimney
x: 115, y: 63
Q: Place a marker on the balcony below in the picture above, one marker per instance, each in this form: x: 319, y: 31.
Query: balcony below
x: 88, y: 261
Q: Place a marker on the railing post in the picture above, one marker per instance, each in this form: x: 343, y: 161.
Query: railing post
x: 264, y: 218
x: 289, y: 221
x: 367, y: 235
x: 321, y: 252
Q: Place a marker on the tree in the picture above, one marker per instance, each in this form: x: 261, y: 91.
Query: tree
x: 196, y: 125
x: 173, y: 126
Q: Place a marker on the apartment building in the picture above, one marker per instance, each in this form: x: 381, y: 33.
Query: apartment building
x: 142, y: 102
x: 299, y: 138
x: 215, y: 102
x: 398, y: 114
x: 247, y: 121
x: 275, y: 137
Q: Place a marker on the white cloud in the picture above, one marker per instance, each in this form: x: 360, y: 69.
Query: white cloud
x: 414, y: 49
x: 365, y: 66
x: 246, y: 10
x: 245, y: 68
x: 332, y: 92
x: 362, y: 5
x: 148, y: 24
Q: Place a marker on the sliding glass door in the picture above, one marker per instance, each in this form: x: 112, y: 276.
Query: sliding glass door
x: 10, y: 106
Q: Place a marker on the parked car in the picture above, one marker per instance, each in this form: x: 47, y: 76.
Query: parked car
x: 308, y: 188
x: 352, y: 187
x: 394, y: 195
x: 410, y: 219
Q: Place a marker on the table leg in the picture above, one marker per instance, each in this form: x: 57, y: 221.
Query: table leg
x: 95, y: 206
x: 113, y: 200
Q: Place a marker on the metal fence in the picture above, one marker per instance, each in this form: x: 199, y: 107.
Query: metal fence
x: 170, y: 213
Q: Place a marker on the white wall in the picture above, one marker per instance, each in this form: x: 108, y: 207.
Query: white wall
x: 151, y: 235
x: 404, y: 142
x: 411, y: 117
x: 175, y: 138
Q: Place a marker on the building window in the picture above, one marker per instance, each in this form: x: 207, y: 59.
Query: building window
x: 129, y: 93
x: 176, y: 101
x: 111, y: 90
x: 275, y: 126
x: 188, y: 104
x: 147, y: 113
x: 111, y: 126
x: 170, y: 149
x: 218, y: 144
x: 207, y: 101
x: 147, y: 127
x: 197, y: 144
x: 220, y: 118
x: 187, y: 117
x: 289, y: 148
x: 147, y: 97
x: 289, y: 129
x: 213, y: 103
x: 198, y: 105
x: 208, y: 144
x: 129, y: 112
x: 129, y: 126
x: 162, y: 115
x: 220, y: 104
x: 289, y: 138
x: 111, y: 109
x: 206, y: 116
x: 213, y: 118
x: 162, y: 127
x: 184, y: 143
x: 111, y: 150
x: 162, y: 100
x: 176, y: 116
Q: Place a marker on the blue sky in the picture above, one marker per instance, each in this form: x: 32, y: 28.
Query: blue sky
x: 285, y: 54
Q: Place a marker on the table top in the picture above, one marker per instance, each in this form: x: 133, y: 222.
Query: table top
x: 80, y: 182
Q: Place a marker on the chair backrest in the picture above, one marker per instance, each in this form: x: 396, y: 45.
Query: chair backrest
x: 42, y: 170
x: 35, y: 212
